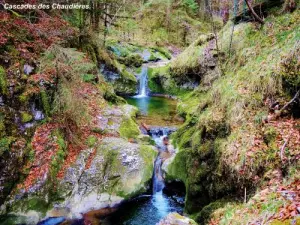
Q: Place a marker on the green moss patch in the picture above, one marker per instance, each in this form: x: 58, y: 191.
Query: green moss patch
x: 26, y: 117
x: 129, y: 129
x: 3, y: 81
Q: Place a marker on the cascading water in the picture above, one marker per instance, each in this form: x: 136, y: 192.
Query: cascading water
x: 143, y: 83
x: 150, y: 209
x: 158, y: 136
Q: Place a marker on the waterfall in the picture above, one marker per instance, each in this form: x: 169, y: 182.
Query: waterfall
x: 158, y: 181
x: 143, y: 83
x: 158, y: 135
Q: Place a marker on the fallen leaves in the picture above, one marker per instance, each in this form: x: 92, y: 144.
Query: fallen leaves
x: 44, y: 146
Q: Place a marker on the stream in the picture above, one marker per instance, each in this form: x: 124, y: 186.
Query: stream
x: 159, y: 113
x: 148, y: 209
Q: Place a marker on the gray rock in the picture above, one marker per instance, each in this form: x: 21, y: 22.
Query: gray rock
x: 176, y: 219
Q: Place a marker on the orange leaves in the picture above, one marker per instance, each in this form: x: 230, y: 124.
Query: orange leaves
x: 45, y: 31
x: 292, y: 194
x: 71, y: 158
x: 44, y: 147
x: 288, y: 129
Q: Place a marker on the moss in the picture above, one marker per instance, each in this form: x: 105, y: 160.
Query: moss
x: 89, y: 78
x: 91, y: 140
x: 3, y: 81
x: 26, y: 117
x: 89, y: 49
x: 155, y: 81
x: 153, y: 58
x: 160, y: 81
x: 37, y: 203
x: 177, y: 170
x: 24, y: 98
x: 131, y: 60
x: 269, y: 135
x: 45, y: 102
x: 2, y: 125
x: 58, y: 159
x: 138, y: 70
x: 205, y: 214
x: 163, y: 51
x: 99, y: 131
x: 129, y: 129
x: 5, y: 144
x: 148, y: 154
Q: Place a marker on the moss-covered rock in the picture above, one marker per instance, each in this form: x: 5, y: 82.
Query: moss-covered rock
x: 119, y: 170
x: 205, y: 214
x: 175, y: 219
x: 26, y: 117
x: 129, y: 128
x: 131, y: 60
x: 160, y: 81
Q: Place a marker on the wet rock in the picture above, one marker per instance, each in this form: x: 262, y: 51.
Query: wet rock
x: 28, y: 69
x: 124, y: 82
x: 176, y: 219
x: 119, y: 170
x: 144, y: 138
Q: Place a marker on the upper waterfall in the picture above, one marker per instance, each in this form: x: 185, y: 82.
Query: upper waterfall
x: 143, y: 77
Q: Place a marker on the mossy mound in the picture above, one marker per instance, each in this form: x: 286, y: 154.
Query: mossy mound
x: 122, y: 80
x: 132, y: 60
x: 160, y: 81
x: 129, y: 128
x: 225, y: 142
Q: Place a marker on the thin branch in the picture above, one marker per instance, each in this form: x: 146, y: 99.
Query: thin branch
x: 284, y: 146
x: 278, y: 114
x: 254, y: 13
x: 290, y: 102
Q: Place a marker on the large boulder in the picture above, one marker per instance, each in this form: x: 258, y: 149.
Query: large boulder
x: 176, y: 219
x: 103, y: 176
x: 119, y: 170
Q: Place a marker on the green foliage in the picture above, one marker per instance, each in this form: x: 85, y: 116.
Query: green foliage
x: 89, y: 78
x: 26, y: 117
x: 2, y: 125
x: 5, y: 143
x: 91, y: 140
x: 3, y: 81
x: 58, y: 159
x: 45, y: 102
x: 131, y: 60
x: 270, y: 135
x: 192, y: 4
x: 223, y: 118
x: 205, y: 214
x: 163, y: 51
x: 23, y: 98
x: 163, y: 23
